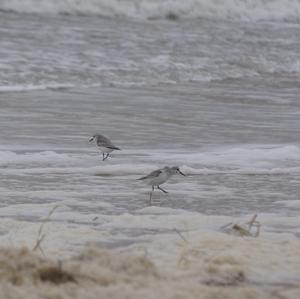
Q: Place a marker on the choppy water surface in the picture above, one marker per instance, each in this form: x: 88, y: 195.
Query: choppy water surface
x: 240, y: 157
x: 41, y: 51
x: 219, y: 98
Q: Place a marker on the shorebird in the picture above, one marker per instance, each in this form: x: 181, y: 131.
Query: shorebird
x: 158, y: 177
x: 104, y: 145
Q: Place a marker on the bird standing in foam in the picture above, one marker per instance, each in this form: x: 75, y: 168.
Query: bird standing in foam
x: 104, y: 145
x: 158, y: 177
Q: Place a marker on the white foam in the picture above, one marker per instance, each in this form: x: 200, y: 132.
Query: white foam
x: 264, y: 260
x: 230, y: 9
x: 243, y: 160
x: 290, y: 203
x: 61, y: 239
x: 9, y: 157
x: 30, y: 87
x: 248, y: 160
x: 239, y: 156
x: 40, y: 211
x: 152, y: 230
x: 246, y: 171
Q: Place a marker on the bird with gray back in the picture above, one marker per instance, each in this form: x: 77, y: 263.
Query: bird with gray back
x: 104, y: 145
x: 158, y: 177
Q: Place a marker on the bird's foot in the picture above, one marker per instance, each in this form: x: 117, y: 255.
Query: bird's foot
x: 161, y: 189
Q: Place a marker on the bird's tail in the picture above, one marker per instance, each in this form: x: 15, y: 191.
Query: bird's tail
x: 114, y: 148
x: 140, y: 179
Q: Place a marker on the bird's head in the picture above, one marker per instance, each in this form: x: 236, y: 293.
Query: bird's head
x: 175, y: 169
x: 93, y: 137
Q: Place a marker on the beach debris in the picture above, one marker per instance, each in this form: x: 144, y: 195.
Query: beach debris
x: 55, y: 274
x: 41, y: 236
x: 248, y: 229
x: 181, y: 235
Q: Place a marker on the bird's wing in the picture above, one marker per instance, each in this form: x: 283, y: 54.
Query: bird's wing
x: 152, y: 175
x: 113, y: 147
x: 104, y: 141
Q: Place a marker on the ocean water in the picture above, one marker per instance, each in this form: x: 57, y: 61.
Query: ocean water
x: 208, y: 86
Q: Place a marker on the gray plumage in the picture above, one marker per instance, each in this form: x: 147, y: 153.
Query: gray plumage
x: 160, y: 176
x: 104, y: 144
x: 152, y: 174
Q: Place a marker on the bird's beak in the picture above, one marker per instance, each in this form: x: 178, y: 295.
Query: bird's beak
x: 91, y: 139
x: 181, y: 173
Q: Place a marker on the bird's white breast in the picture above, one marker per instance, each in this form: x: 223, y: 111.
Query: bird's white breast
x: 158, y: 180
x: 105, y: 149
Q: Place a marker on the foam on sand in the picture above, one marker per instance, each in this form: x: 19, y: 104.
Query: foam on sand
x: 204, y: 263
x: 222, y: 267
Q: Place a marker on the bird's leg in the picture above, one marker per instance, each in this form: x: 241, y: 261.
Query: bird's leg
x: 161, y: 189
x: 104, y: 158
x: 150, y: 200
